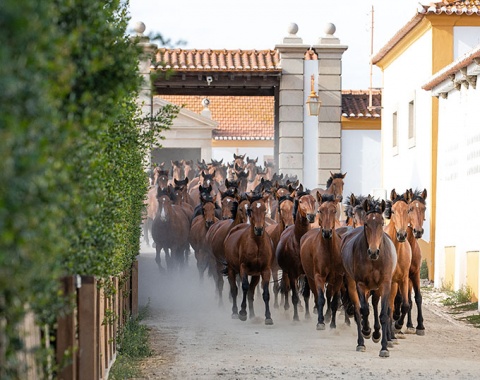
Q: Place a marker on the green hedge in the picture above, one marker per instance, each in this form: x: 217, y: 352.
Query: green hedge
x: 72, y: 179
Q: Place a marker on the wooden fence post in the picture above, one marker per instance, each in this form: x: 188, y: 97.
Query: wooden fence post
x: 134, y: 289
x: 88, y: 352
x: 65, y: 338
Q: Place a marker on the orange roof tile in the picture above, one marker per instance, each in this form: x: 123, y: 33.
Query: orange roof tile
x: 238, y: 117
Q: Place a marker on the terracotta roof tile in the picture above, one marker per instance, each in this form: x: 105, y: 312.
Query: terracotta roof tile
x: 355, y: 103
x: 467, y: 7
x: 238, y: 117
x: 228, y: 60
x: 451, y: 69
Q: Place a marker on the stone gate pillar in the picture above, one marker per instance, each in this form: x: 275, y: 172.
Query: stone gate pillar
x: 329, y: 52
x: 291, y: 103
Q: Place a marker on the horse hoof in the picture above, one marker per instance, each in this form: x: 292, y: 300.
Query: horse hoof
x: 410, y: 330
x: 420, y: 332
x: 320, y: 326
x: 234, y: 316
x: 361, y: 349
x: 367, y: 334
x: 384, y: 353
x: 390, y: 344
x: 296, y: 319
x: 376, y: 337
x: 242, y: 316
x: 154, y: 245
x: 400, y: 335
x: 268, y: 321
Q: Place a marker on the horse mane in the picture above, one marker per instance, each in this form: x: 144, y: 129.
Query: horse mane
x: 254, y: 196
x: 417, y: 196
x: 230, y: 192
x: 287, y: 197
x: 332, y: 177
x: 349, y: 207
x: 373, y: 205
x: 328, y: 197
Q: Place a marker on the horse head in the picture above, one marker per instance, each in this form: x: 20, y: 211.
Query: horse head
x: 304, y: 205
x: 285, y: 209
x: 327, y: 209
x: 208, y: 209
x: 335, y: 185
x: 416, y: 211
x: 164, y: 203
x: 229, y: 199
x: 397, y: 209
x: 373, y: 227
x: 257, y: 211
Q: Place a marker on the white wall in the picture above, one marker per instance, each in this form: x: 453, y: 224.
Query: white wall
x: 465, y: 38
x: 458, y: 180
x: 227, y: 153
x: 403, y: 79
x: 361, y: 160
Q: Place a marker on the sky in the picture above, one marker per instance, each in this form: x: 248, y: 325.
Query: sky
x: 262, y: 24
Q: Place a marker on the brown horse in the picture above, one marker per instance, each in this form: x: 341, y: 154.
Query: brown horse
x: 334, y: 187
x: 188, y: 169
x: 205, y: 179
x: 416, y: 214
x: 369, y: 258
x: 216, y: 236
x: 198, y: 231
x: 288, y: 248
x: 170, y: 230
x: 397, y: 211
x: 321, y: 259
x: 160, y: 182
x: 249, y: 252
x: 284, y: 219
x: 251, y: 168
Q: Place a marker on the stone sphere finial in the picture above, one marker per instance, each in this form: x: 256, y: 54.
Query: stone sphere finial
x: 139, y: 28
x: 329, y: 29
x: 292, y: 28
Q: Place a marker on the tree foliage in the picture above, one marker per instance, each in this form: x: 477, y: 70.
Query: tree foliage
x: 72, y: 180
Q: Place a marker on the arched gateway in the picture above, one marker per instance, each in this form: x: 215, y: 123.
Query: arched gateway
x: 306, y: 146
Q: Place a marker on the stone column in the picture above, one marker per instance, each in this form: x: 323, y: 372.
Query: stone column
x: 329, y: 52
x: 145, y: 95
x: 290, y: 150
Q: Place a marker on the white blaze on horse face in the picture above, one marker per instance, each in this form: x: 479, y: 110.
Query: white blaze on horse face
x: 416, y: 205
x: 246, y: 212
x: 259, y: 205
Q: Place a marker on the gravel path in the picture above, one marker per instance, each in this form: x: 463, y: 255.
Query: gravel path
x: 194, y: 338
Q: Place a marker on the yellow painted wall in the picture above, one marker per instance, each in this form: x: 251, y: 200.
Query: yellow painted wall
x: 427, y: 255
x: 472, y: 273
x: 449, y: 267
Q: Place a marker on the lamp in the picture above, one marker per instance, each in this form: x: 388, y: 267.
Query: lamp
x: 313, y: 102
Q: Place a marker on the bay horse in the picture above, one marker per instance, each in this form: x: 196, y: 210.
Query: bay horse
x: 397, y: 211
x: 284, y: 218
x: 249, y: 252
x: 334, y: 186
x: 216, y: 235
x: 198, y: 231
x: 170, y: 230
x: 188, y: 169
x: 369, y: 258
x: 321, y: 259
x: 288, y: 248
x: 416, y: 214
x: 251, y: 167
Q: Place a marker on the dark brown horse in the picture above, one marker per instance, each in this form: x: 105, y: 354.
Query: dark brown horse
x: 288, y: 248
x: 170, y: 230
x: 160, y: 181
x: 416, y: 214
x: 198, y: 231
x: 249, y: 252
x: 334, y: 187
x: 216, y: 236
x: 397, y: 210
x: 369, y: 259
x: 321, y: 259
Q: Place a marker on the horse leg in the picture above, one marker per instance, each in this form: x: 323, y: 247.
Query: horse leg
x: 354, y: 296
x: 243, y: 307
x: 410, y: 329
x: 334, y: 306
x: 251, y: 292
x: 276, y: 289
x: 405, y: 305
x: 385, y: 321
x: 418, y: 301
x: 391, y: 338
x: 306, y: 298
x: 329, y: 296
x: 145, y: 231
x: 294, y: 298
x: 233, y: 291
x: 376, y: 320
x: 266, y: 297
x: 320, y: 288
x: 158, y: 258
x: 364, y: 311
x: 219, y: 282
x: 398, y: 305
x: 285, y: 288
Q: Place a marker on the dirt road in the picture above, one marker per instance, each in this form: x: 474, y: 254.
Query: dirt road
x: 194, y: 338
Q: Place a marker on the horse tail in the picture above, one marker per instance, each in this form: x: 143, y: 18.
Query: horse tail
x: 347, y: 303
x: 225, y: 267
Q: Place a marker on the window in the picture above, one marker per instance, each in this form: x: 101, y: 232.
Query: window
x: 411, y: 124
x: 394, y: 134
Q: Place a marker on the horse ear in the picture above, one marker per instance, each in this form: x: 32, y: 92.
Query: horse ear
x: 221, y: 161
x: 319, y: 197
x: 365, y: 205
x: 186, y: 180
x: 256, y: 160
x: 382, y: 205
x: 424, y: 193
x: 175, y: 181
x: 352, y: 199
x: 343, y: 176
x: 393, y: 195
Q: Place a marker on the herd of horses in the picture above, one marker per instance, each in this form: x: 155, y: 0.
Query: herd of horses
x: 255, y: 227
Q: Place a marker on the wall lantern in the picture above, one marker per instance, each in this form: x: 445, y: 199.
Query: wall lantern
x: 313, y: 102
